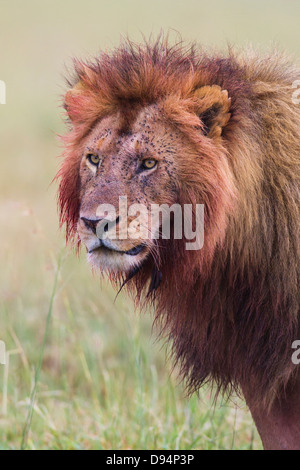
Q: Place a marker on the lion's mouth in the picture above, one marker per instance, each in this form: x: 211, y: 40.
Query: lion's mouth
x: 132, y: 252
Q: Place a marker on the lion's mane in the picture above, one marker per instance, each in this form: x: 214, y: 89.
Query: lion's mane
x: 231, y: 311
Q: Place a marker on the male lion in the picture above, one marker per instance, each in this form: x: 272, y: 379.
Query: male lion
x: 173, y: 125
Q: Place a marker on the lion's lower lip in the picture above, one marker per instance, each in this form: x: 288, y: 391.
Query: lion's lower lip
x: 136, y: 250
x: 132, y: 252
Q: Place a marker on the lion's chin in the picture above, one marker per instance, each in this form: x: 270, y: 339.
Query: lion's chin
x: 116, y: 261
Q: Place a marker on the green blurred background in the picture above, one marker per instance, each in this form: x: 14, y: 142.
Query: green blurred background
x: 105, y: 382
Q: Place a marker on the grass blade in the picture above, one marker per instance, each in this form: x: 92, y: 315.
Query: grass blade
x: 27, y: 426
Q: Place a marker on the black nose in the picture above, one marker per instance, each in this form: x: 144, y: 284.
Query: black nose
x: 91, y: 223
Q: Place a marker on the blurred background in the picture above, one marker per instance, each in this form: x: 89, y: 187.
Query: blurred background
x: 106, y: 382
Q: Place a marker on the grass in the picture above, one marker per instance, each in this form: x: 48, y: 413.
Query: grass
x: 104, y: 382
x: 27, y: 426
x: 86, y: 372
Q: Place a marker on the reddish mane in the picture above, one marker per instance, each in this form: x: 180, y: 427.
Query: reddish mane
x: 231, y: 310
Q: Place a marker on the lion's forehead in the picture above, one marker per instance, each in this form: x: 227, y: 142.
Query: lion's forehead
x: 147, y: 133
x: 120, y: 155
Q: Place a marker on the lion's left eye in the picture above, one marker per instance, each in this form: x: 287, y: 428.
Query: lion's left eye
x: 93, y: 159
x: 149, y: 163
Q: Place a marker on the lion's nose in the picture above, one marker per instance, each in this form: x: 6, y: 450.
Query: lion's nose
x: 91, y: 223
x: 105, y: 225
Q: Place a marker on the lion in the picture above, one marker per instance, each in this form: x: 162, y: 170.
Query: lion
x: 173, y: 124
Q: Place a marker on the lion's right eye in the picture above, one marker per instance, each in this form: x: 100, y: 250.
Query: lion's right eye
x: 93, y: 159
x: 149, y: 163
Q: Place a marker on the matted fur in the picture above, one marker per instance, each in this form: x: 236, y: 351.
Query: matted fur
x: 231, y: 310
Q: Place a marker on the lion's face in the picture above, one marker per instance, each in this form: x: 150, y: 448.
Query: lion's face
x: 153, y: 139
x: 142, y: 166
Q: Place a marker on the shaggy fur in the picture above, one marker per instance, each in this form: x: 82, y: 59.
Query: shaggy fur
x: 230, y: 310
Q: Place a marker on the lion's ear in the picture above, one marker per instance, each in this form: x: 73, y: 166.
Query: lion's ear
x: 72, y: 99
x: 81, y: 102
x: 212, y: 107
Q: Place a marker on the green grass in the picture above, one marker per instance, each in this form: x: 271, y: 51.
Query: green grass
x: 104, y: 382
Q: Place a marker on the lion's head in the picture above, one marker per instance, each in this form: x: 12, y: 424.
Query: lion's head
x: 150, y: 163
x: 146, y: 127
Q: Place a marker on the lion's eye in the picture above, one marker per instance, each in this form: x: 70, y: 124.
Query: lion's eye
x: 93, y: 159
x: 149, y: 163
